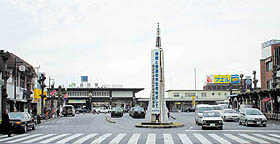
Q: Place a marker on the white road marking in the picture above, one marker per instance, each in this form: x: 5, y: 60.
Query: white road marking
x: 202, y: 139
x: 117, y: 139
x: 267, y: 137
x: 168, y: 139
x: 134, y: 139
x: 101, y: 138
x: 219, y: 139
x: 275, y: 135
x: 253, y: 138
x: 151, y: 139
x: 185, y: 139
x: 65, y: 140
x: 9, y: 138
x: 255, y: 131
x: 235, y: 138
x: 39, y: 138
x: 83, y: 139
x: 24, y: 138
x: 54, y: 138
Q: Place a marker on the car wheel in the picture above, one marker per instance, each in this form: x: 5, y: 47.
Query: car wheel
x: 24, y: 130
x: 264, y: 125
x: 203, y: 128
x: 240, y: 123
x: 246, y: 123
x: 33, y: 128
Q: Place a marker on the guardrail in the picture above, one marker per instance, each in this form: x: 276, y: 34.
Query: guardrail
x: 272, y: 116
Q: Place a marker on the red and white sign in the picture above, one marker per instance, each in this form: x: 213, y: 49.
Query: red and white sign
x: 52, y: 93
x: 65, y: 96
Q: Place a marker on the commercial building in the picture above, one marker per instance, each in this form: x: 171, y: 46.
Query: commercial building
x: 20, y: 83
x: 178, y: 100
x: 269, y: 63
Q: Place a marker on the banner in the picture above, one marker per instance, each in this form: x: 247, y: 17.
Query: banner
x: 155, y: 80
x: 223, y: 79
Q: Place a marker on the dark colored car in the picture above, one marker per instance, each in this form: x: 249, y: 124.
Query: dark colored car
x: 117, y: 112
x: 137, y: 112
x: 21, y: 121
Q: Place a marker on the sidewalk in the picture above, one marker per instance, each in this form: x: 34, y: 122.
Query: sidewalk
x: 273, y: 122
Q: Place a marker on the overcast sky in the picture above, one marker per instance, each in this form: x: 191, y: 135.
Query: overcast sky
x: 111, y: 40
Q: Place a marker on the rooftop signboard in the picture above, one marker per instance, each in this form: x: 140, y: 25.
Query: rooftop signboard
x: 223, y: 79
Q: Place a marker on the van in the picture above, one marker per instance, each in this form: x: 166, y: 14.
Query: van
x: 68, y: 110
x: 199, y: 112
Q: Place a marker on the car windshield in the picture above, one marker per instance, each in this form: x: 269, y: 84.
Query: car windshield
x: 253, y: 112
x: 229, y: 111
x: 116, y: 109
x: 217, y: 108
x: 202, y: 109
x: 16, y: 115
x: 139, y: 108
x: 211, y: 114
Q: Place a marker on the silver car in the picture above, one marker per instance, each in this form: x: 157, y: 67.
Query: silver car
x: 252, y: 116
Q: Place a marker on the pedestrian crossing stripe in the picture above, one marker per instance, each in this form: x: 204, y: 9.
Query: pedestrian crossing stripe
x: 150, y: 138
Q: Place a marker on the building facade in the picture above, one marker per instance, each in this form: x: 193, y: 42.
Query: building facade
x: 95, y: 97
x: 270, y: 53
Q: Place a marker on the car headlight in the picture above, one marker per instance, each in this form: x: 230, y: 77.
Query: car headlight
x: 18, y: 122
x: 203, y: 122
x: 220, y: 121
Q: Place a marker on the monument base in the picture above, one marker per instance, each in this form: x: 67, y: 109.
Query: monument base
x: 159, y: 125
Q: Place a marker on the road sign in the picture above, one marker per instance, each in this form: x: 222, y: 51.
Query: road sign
x: 248, y: 81
x: 21, y: 68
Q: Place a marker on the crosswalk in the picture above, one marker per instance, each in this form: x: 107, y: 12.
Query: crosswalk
x: 146, y: 138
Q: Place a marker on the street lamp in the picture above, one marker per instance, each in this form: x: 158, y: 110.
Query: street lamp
x: 41, y: 82
x: 21, y: 68
x: 255, y: 81
x: 5, y: 56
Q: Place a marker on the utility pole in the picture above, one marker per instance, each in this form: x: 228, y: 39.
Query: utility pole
x: 194, y: 78
x: 59, y: 98
x: 5, y: 56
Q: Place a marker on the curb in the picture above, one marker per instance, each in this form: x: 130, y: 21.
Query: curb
x: 108, y: 120
x: 173, y: 125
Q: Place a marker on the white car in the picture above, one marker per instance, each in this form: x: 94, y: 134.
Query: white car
x: 102, y: 110
x: 230, y: 114
x: 217, y: 108
x: 212, y: 119
x: 199, y: 112
x: 252, y: 116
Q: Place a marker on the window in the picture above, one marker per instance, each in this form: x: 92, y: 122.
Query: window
x: 219, y: 93
x: 268, y: 66
x: 225, y: 94
x: 189, y: 94
x: 203, y: 94
x: 269, y: 84
x: 176, y: 94
x: 213, y: 93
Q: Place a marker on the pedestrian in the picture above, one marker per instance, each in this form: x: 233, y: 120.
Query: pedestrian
x: 57, y: 112
x: 6, y: 124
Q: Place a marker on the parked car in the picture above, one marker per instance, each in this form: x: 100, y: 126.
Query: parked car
x: 21, y: 121
x: 252, y: 116
x: 230, y: 114
x: 68, y: 110
x: 102, y: 110
x: 212, y: 119
x: 199, y: 112
x: 117, y: 112
x: 137, y: 112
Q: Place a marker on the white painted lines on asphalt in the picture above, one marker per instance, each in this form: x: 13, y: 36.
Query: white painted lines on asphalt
x: 134, y: 139
x: 235, y: 138
x: 219, y: 139
x: 85, y: 138
x: 168, y: 139
x: 24, y: 138
x: 65, y: 140
x: 54, y: 138
x: 118, y: 138
x: 202, y: 139
x: 101, y: 138
x: 185, y: 139
x: 151, y: 139
x: 267, y: 137
x: 275, y: 135
x: 38, y: 138
x: 9, y: 138
x: 254, y: 138
x: 254, y: 131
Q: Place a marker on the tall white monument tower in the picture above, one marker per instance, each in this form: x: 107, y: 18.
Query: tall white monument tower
x: 157, y: 110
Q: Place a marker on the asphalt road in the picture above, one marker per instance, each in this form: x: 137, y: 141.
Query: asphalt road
x: 89, y: 128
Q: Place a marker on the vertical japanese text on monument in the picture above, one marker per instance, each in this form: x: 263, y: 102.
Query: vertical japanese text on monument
x: 155, y: 81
